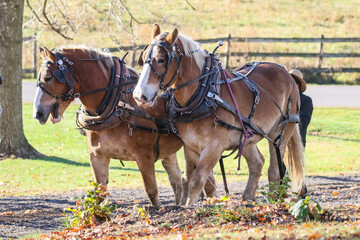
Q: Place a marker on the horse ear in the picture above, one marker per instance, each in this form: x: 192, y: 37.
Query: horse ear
x: 44, y: 52
x: 171, y: 38
x: 156, y: 31
x: 141, y: 62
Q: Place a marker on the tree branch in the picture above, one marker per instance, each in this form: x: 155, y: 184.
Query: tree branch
x: 57, y: 30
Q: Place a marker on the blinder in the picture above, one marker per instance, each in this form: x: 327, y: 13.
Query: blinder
x: 60, y: 75
x: 171, y: 56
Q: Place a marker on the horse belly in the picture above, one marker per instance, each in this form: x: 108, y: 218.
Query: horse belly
x: 110, y: 144
x: 168, y: 145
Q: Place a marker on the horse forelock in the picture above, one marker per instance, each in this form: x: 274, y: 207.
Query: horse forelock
x: 192, y: 49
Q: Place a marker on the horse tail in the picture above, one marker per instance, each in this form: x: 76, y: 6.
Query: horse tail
x: 295, y: 160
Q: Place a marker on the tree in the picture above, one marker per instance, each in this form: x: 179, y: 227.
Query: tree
x: 12, y: 139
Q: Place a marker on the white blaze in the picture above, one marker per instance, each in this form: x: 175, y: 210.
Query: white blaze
x: 37, y: 98
x: 143, y: 88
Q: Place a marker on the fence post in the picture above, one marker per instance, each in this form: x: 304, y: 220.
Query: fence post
x: 35, y: 59
x: 227, y: 49
x: 133, y: 55
x: 321, y: 51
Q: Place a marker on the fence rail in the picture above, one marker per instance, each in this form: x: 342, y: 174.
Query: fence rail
x: 320, y: 55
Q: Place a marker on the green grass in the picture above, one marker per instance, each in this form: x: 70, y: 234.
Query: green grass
x: 66, y: 167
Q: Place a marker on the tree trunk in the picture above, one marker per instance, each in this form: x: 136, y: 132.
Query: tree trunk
x: 13, y: 142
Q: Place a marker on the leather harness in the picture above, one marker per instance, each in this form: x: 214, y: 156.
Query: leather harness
x: 115, y: 106
x: 206, y: 99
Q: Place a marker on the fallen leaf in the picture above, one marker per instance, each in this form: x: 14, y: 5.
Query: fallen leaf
x: 262, y: 219
x: 315, y: 236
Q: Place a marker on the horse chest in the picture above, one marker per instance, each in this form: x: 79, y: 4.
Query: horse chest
x: 196, y: 136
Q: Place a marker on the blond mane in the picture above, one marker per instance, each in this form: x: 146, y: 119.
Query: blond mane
x: 192, y: 48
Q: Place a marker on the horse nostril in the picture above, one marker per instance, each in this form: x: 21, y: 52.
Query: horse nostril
x: 39, y: 115
x: 142, y: 99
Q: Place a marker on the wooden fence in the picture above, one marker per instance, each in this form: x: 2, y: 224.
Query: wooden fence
x: 228, y: 53
x: 34, y: 68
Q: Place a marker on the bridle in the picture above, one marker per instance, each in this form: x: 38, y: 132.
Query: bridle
x: 171, y: 56
x: 61, y: 75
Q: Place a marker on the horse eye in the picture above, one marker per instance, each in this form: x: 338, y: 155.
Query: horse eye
x: 161, y: 60
x: 47, y: 79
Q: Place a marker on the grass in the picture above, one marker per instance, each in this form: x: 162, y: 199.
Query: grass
x: 205, y: 19
x: 333, y: 147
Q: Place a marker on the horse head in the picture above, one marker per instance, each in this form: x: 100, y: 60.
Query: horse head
x: 167, y: 61
x: 64, y: 74
x: 51, y: 86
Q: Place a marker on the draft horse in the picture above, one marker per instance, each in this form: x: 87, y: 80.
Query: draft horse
x: 214, y: 109
x: 115, y: 126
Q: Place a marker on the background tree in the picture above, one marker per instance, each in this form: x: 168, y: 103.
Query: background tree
x: 12, y: 139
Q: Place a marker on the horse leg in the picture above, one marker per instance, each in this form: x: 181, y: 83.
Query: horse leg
x: 255, y: 161
x: 293, y: 160
x: 210, y: 185
x: 273, y: 171
x: 208, y: 159
x: 146, y: 166
x: 171, y: 166
x: 190, y: 161
x: 100, y: 167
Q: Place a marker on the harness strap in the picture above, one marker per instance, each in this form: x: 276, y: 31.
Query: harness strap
x: 221, y: 162
x: 148, y: 129
x: 171, y: 90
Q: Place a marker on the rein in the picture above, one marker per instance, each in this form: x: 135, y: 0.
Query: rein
x: 245, y: 132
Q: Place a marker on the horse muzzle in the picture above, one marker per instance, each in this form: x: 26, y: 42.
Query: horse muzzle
x: 42, y: 116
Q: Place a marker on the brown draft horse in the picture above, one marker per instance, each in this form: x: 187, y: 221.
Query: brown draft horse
x: 175, y: 63
x: 67, y: 73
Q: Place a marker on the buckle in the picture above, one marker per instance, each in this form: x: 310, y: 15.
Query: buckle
x: 76, y: 95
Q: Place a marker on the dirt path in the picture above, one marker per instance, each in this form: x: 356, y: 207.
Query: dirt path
x: 24, y: 216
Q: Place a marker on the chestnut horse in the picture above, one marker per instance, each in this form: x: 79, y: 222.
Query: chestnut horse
x: 127, y: 132
x: 209, y: 105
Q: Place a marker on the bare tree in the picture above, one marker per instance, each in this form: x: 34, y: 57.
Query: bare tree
x: 12, y: 139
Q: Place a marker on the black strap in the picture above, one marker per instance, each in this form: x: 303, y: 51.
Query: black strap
x: 221, y: 162
x: 150, y: 130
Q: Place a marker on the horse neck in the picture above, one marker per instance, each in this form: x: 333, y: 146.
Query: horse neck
x: 188, y: 71
x: 90, y: 79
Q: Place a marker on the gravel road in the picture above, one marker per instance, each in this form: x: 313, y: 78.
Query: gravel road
x: 23, y: 216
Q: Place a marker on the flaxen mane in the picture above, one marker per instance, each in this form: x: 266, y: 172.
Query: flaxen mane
x: 192, y: 48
